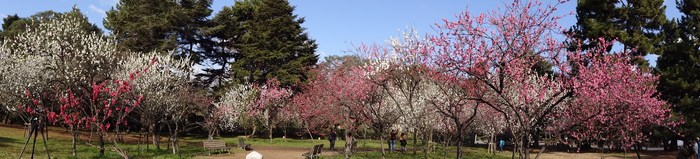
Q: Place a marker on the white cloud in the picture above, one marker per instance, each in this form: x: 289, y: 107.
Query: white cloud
x: 98, y: 10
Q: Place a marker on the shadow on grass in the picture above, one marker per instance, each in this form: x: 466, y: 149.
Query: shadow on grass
x: 5, y: 142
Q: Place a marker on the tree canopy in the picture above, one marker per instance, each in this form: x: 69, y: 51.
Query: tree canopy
x: 635, y: 24
x: 679, y: 66
x: 272, y: 44
x: 13, y: 25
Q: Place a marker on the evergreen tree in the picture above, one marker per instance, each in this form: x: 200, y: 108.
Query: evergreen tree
x: 144, y: 25
x: 679, y: 66
x: 635, y: 24
x: 224, y: 31
x: 6, y: 23
x: 271, y: 43
x: 192, y: 19
x: 13, y: 25
x: 163, y: 25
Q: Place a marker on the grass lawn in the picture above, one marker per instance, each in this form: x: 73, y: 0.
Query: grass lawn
x: 59, y: 143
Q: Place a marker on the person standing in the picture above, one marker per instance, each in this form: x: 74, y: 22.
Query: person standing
x: 403, y: 140
x: 331, y: 138
x: 697, y: 147
x: 392, y: 140
x: 686, y: 151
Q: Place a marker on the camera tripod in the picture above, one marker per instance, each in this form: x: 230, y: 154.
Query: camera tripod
x: 36, y: 126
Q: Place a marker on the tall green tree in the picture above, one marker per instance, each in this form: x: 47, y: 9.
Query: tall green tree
x: 144, y: 25
x: 679, y: 66
x: 13, y: 25
x: 634, y: 23
x: 270, y: 43
x: 162, y: 25
x: 223, y: 31
x: 6, y: 23
x: 193, y: 18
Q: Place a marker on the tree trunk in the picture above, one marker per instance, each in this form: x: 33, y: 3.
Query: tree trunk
x: 541, y: 151
x: 381, y: 143
x: 284, y: 130
x: 637, y: 149
x: 118, y: 132
x: 521, y: 146
x: 536, y: 141
x: 151, y: 133
x: 212, y: 131
x: 459, y: 142
x: 100, y: 135
x: 173, y: 139
x: 148, y: 136
x: 348, y: 143
x: 431, y: 147
x: 269, y: 129
x: 310, y: 135
x: 74, y: 133
x: 674, y: 144
x: 156, y: 137
x: 6, y: 119
x: 415, y: 140
x: 425, y: 145
x: 253, y: 133
x: 91, y: 133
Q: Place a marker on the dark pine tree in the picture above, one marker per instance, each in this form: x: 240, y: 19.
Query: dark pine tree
x: 224, y: 32
x: 192, y: 19
x: 679, y: 66
x: 272, y: 44
x: 635, y: 24
x: 144, y: 25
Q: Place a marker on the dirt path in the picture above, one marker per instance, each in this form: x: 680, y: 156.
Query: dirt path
x: 268, y: 152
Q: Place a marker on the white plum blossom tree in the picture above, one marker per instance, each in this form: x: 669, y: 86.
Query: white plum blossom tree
x: 54, y: 58
x: 233, y: 105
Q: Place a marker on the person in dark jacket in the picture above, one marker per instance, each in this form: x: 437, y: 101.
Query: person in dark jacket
x: 403, y: 140
x: 392, y: 140
x: 332, y: 137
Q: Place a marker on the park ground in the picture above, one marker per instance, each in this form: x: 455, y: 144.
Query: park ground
x: 12, y: 139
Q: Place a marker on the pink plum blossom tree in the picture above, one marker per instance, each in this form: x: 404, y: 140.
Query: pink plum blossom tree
x: 503, y: 52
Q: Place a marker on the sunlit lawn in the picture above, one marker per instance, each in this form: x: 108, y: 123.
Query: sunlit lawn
x: 12, y: 139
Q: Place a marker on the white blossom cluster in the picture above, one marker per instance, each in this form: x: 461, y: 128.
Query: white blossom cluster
x: 406, y: 93
x: 526, y: 100
x: 59, y: 55
x: 233, y: 104
x: 402, y: 53
x: 56, y: 54
x: 157, y: 77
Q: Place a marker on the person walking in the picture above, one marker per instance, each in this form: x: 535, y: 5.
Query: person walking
x: 501, y: 144
x: 392, y: 140
x: 403, y: 141
x: 331, y: 138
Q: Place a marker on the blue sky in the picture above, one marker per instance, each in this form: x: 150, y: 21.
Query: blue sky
x: 338, y: 26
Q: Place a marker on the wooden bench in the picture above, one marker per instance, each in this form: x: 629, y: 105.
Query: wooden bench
x: 242, y: 144
x: 216, y: 145
x: 314, y: 153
